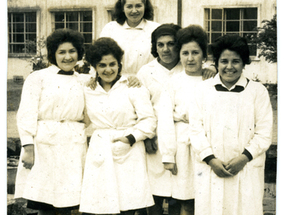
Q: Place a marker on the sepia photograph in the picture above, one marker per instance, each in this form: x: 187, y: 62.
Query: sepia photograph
x: 142, y: 107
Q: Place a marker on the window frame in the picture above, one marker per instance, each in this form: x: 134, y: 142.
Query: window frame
x: 223, y: 20
x: 24, y: 11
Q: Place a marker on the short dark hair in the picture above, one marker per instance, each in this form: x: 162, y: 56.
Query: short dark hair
x: 120, y: 16
x: 101, y: 47
x: 162, y: 30
x: 60, y: 36
x: 232, y: 42
x: 193, y: 33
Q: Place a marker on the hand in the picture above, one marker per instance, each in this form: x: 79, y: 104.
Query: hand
x: 122, y: 139
x: 28, y: 156
x: 133, y: 82
x: 219, y: 168
x: 172, y: 167
x: 236, y: 164
x: 91, y: 83
x: 209, y: 72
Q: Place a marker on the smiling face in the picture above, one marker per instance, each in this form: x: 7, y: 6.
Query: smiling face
x: 107, y: 69
x: 230, y: 66
x: 191, y: 57
x: 66, y: 56
x: 166, y: 50
x: 134, y: 11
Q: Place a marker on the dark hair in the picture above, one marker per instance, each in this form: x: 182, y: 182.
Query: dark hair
x: 193, y: 33
x: 60, y: 36
x: 232, y: 42
x: 101, y: 47
x: 120, y: 16
x: 162, y: 30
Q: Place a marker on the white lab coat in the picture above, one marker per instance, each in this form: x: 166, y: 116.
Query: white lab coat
x: 156, y: 78
x: 224, y: 124
x: 115, y: 177
x: 136, y: 43
x: 183, y: 88
x: 48, y: 117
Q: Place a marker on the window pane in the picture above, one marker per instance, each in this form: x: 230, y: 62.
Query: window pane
x: 249, y: 25
x: 86, y: 27
x: 216, y: 13
x: 31, y: 47
x: 232, y: 14
x: 216, y: 26
x: 18, y: 38
x: 250, y: 13
x: 232, y: 26
x: 73, y: 26
x: 18, y: 28
x: 31, y: 17
x: 31, y: 27
x: 215, y: 36
x: 86, y: 16
x: 59, y: 17
x: 31, y: 37
x: 207, y: 13
x: 88, y: 38
x: 59, y: 25
x: 9, y: 17
x: 19, y: 48
x: 71, y: 16
x: 18, y: 17
x: 210, y: 50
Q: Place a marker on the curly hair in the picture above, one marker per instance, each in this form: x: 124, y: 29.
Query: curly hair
x: 232, y: 42
x: 163, y: 30
x: 120, y: 16
x: 193, y: 33
x: 101, y: 47
x: 60, y: 36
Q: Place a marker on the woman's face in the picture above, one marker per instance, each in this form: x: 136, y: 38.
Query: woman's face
x: 134, y: 11
x: 166, y: 49
x: 230, y: 66
x: 107, y: 68
x: 66, y: 56
x: 191, y: 57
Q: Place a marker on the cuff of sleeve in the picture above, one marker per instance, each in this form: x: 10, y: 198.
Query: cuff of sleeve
x: 205, y: 153
x: 138, y: 135
x: 27, y: 140
x: 209, y: 158
x: 168, y: 159
x: 252, y: 151
x: 131, y: 139
x: 247, y: 154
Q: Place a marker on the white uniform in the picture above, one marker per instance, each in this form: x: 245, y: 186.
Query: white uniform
x: 136, y: 43
x: 183, y: 87
x: 48, y: 117
x: 115, y: 177
x: 224, y: 124
x: 156, y: 78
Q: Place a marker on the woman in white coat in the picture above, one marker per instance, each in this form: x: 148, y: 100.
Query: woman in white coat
x: 52, y: 135
x: 157, y: 77
x: 230, y: 130
x: 115, y: 178
x: 132, y: 31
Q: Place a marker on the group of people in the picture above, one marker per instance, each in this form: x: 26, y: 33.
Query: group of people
x: 164, y: 127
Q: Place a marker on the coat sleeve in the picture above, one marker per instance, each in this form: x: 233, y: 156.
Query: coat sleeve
x: 27, y: 116
x: 166, y: 128
x: 261, y: 139
x: 197, y: 133
x: 146, y: 120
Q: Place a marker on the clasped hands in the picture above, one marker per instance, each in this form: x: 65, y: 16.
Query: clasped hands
x: 230, y: 168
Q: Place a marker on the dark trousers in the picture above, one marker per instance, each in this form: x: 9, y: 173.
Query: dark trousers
x: 157, y: 209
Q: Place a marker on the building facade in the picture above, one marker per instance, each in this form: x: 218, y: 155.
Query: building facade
x: 33, y: 20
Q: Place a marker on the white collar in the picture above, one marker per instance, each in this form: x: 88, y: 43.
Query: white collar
x: 241, y: 82
x: 139, y: 26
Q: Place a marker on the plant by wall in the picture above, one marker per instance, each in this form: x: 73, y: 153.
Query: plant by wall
x: 266, y: 40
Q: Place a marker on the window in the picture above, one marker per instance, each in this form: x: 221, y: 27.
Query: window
x: 22, y: 30
x: 77, y: 20
x: 242, y: 21
x: 110, y: 14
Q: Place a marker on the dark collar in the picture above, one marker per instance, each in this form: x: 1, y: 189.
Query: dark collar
x: 61, y: 72
x: 237, y: 88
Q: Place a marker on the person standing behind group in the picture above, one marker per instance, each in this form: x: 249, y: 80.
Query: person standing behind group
x: 156, y: 76
x: 115, y: 178
x: 132, y: 31
x: 52, y: 135
x: 230, y: 130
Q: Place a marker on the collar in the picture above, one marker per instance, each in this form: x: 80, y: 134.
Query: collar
x: 57, y: 70
x: 139, y: 26
x: 241, y: 82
